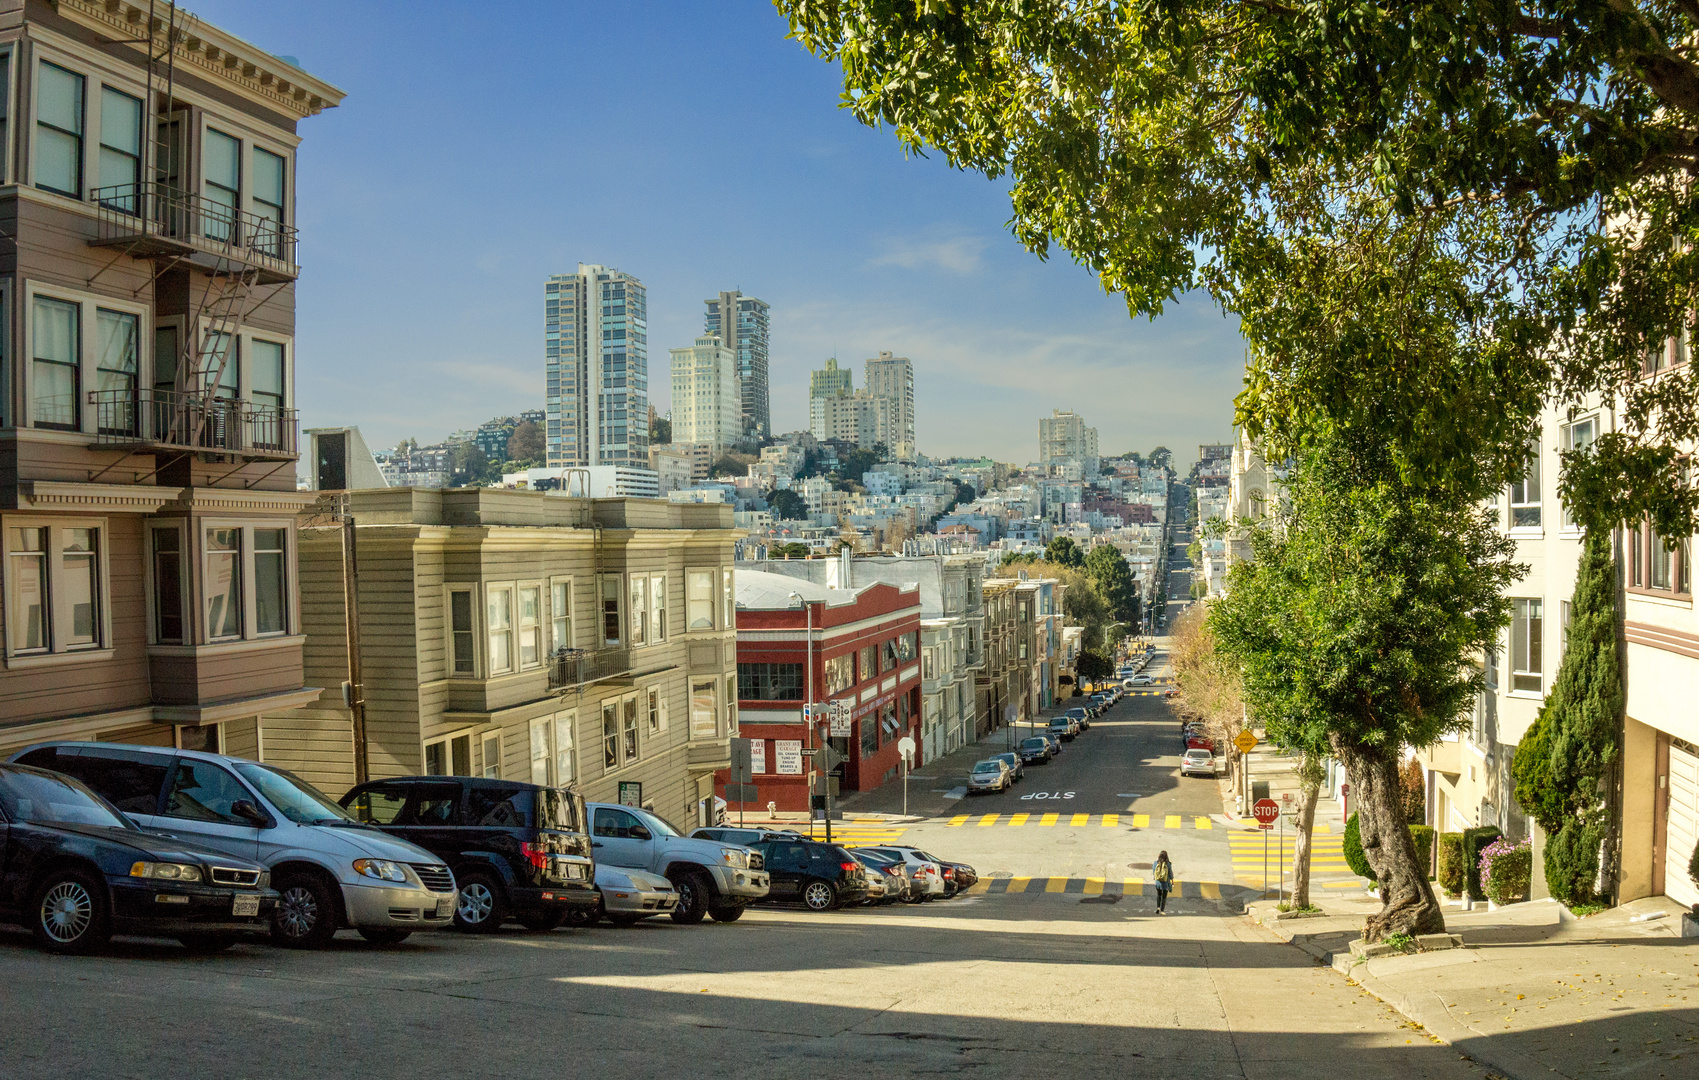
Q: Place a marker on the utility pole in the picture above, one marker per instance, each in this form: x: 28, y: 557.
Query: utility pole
x: 355, y: 694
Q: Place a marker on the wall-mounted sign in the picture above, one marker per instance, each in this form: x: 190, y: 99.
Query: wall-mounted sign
x: 787, y: 755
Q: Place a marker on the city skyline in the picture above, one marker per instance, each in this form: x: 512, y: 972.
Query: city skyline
x: 912, y: 257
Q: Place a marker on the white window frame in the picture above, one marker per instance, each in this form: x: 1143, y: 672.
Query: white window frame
x: 534, y: 628
x: 248, y: 138
x: 245, y: 561
x: 467, y: 733
x: 1519, y: 624
x: 657, y: 609
x: 615, y: 583
x: 90, y: 118
x: 87, y: 338
x: 538, y: 735
x: 185, y: 578
x: 705, y: 725
x: 1570, y: 525
x: 603, y: 709
x: 693, y: 605
x: 8, y: 123
x: 655, y: 706
x: 58, y: 613
x: 556, y: 617
x: 491, y: 590
x: 728, y: 599
x: 471, y: 591
x: 630, y: 729
x: 637, y: 610
x: 486, y: 768
x: 1530, y: 492
x: 565, y: 723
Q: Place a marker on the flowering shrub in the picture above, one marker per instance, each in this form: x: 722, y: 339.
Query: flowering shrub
x: 1506, y: 868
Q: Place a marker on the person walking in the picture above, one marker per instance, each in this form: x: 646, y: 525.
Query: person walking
x: 1162, y: 873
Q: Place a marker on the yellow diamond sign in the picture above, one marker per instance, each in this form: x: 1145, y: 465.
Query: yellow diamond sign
x: 1246, y: 742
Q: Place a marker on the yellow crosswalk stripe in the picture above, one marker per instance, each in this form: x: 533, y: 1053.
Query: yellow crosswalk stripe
x: 1110, y: 820
x: 1204, y: 823
x: 1132, y: 887
x: 989, y: 819
x: 1172, y: 821
x: 1048, y: 819
x: 1080, y: 819
x: 960, y: 819
x: 1340, y: 885
x: 1210, y: 890
x: 1094, y: 886
x: 1019, y: 819
x: 1323, y: 829
x: 1056, y: 884
x: 978, y: 888
x: 1141, y: 821
x: 1018, y: 884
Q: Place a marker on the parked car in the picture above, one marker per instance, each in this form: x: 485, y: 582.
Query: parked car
x: 1080, y: 718
x: 75, y: 871
x: 1036, y: 750
x: 959, y: 876
x: 1198, y: 762
x: 745, y: 837
x: 886, y: 868
x: 821, y: 876
x: 1140, y: 680
x: 627, y: 895
x: 1063, y: 728
x: 992, y: 774
x: 925, y: 876
x: 518, y: 851
x: 1013, y: 761
x: 711, y: 878
x: 330, y: 871
x: 1200, y: 742
x: 1054, y: 740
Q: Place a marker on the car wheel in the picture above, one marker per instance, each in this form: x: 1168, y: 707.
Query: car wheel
x: 726, y: 912
x: 305, y: 916
x: 820, y: 895
x: 543, y: 921
x: 379, y: 936
x: 694, y: 896
x: 583, y: 916
x: 625, y: 920
x: 72, y: 913
x: 206, y: 944
x: 481, y: 908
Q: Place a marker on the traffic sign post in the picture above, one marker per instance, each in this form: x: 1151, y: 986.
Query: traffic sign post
x: 905, y: 747
x: 1266, y: 811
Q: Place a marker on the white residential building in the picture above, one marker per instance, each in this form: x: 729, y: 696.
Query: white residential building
x: 706, y: 403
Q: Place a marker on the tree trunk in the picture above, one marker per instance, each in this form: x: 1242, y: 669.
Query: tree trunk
x: 1408, y: 904
x: 1301, y: 855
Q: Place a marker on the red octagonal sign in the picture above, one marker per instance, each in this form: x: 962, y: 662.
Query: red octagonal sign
x: 1266, y: 811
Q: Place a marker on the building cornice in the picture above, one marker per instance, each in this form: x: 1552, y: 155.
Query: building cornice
x: 287, y: 502
x: 214, y: 54
x: 60, y: 497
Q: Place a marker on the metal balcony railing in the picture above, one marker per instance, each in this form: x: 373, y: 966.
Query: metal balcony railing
x: 158, y: 219
x: 576, y: 667
x: 164, y: 419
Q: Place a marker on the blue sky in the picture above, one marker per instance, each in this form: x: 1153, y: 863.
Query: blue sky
x: 483, y: 147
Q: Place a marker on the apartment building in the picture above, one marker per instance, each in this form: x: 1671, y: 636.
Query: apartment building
x: 148, y: 433
x: 596, y: 368
x: 891, y: 378
x: 858, y: 647
x: 706, y: 405
x: 1000, y: 678
x: 1064, y: 436
x: 741, y: 324
x: 522, y: 635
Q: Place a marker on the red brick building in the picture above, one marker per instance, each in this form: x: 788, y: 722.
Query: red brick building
x: 863, y: 650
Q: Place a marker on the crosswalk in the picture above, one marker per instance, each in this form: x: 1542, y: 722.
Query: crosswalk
x: 1097, y: 886
x: 1250, y: 851
x: 1042, y: 820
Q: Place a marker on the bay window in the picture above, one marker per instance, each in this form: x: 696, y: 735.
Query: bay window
x: 540, y: 752
x: 560, y: 614
x: 1527, y: 646
x: 498, y: 627
x: 566, y: 760
x: 54, y: 586
x: 628, y: 725
x: 271, y: 612
x: 462, y: 633
x: 270, y: 185
x: 610, y: 585
x: 56, y: 382
x: 168, y: 581
x: 223, y: 578
x: 530, y: 625
x: 639, y: 609
x: 704, y: 710
x: 699, y: 599
x: 610, y: 735
x: 117, y: 368
x: 657, y: 608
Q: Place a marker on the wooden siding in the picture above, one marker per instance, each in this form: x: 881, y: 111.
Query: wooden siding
x: 226, y: 676
x: 141, y: 735
x: 317, y: 747
x: 241, y: 738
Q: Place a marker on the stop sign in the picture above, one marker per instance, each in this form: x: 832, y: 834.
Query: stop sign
x: 1266, y: 811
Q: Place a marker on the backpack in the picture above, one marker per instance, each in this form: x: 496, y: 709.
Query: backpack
x: 1163, y: 872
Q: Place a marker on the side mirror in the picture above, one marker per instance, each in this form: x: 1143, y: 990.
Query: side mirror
x: 638, y: 832
x: 251, y: 813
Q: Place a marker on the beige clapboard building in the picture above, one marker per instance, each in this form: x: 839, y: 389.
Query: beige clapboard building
x: 147, y: 393
x: 526, y: 636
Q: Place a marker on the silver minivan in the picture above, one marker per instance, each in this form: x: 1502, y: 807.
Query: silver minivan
x: 330, y: 871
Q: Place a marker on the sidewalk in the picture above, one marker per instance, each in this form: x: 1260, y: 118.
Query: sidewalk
x: 1534, y: 993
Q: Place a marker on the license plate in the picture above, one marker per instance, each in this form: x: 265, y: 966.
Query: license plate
x: 246, y: 905
x: 445, y: 908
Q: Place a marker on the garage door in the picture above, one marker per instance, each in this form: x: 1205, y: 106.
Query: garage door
x: 1683, y: 824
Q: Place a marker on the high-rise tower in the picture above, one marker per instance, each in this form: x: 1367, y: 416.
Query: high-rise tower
x: 740, y: 322
x: 892, y: 378
x: 596, y: 363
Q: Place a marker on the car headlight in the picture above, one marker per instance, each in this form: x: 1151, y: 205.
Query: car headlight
x: 734, y: 857
x: 382, y: 869
x: 169, y: 871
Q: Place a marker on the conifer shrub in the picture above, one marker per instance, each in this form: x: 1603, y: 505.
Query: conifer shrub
x: 1474, y: 840
x: 1353, y: 845
x: 1451, y: 877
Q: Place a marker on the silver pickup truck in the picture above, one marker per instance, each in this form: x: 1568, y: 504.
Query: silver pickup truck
x: 711, y: 878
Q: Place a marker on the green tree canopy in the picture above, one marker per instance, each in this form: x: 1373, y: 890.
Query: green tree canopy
x: 526, y: 443
x: 1115, y: 582
x: 1062, y: 551
x: 788, y: 505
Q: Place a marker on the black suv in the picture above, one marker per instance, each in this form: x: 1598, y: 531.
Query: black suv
x: 75, y: 870
x: 518, y: 851
x: 821, y: 876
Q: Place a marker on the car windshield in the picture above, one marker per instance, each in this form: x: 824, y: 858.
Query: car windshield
x: 988, y: 766
x: 33, y: 795
x: 293, y: 797
x: 1035, y: 743
x: 657, y: 824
